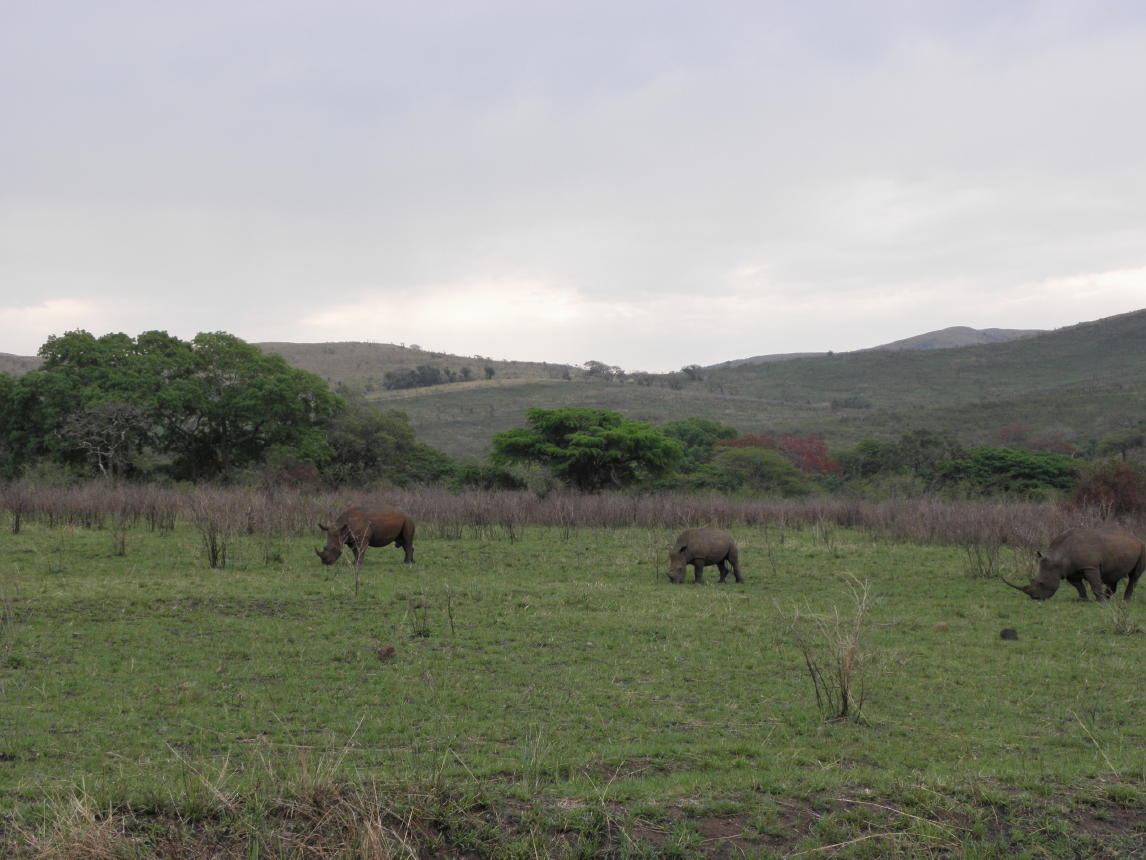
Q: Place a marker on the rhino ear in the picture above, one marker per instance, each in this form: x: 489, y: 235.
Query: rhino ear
x: 323, y: 528
x: 1038, y: 554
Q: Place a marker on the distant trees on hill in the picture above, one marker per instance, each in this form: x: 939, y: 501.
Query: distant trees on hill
x: 425, y: 375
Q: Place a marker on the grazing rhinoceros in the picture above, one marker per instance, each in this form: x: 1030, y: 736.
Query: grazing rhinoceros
x: 360, y: 529
x: 1100, y: 556
x: 700, y: 547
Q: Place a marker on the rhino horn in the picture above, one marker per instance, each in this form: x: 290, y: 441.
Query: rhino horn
x: 1019, y: 587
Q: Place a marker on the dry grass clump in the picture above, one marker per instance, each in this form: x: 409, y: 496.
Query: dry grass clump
x: 835, y: 652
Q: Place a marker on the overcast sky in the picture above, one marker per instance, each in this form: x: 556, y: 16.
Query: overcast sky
x: 645, y: 183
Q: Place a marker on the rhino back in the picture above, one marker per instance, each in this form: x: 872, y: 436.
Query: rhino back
x: 706, y: 542
x: 385, y: 526
x: 1106, y: 548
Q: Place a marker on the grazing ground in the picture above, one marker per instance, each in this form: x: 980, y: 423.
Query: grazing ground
x: 535, y: 691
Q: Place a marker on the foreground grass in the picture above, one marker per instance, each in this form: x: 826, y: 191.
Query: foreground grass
x: 551, y: 695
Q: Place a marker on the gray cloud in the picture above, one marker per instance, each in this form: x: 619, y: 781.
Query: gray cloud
x: 827, y: 176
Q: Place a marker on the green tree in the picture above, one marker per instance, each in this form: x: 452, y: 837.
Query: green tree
x: 697, y: 436
x: 1123, y: 442
x: 920, y: 453
x: 210, y: 405
x: 759, y: 470
x: 371, y: 445
x: 589, y: 449
x: 236, y: 403
x: 1035, y: 474
x: 10, y: 419
x: 111, y: 434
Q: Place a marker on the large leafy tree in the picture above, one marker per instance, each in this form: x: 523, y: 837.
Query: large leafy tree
x: 209, y: 405
x: 589, y: 449
x: 237, y: 402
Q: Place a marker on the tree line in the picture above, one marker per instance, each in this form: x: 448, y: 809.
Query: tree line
x: 217, y: 408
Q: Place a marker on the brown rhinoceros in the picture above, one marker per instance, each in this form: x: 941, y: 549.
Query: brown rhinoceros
x: 360, y: 528
x: 1099, y: 556
x: 702, y: 546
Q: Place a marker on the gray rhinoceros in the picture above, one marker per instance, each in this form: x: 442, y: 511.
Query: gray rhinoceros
x: 700, y: 547
x: 360, y: 528
x: 1099, y: 556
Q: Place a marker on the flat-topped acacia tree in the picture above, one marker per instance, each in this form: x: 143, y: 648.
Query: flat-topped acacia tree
x: 588, y: 449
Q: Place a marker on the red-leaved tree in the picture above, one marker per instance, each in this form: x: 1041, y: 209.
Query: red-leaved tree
x: 809, y: 454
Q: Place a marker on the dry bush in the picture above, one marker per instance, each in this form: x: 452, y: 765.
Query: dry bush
x: 277, y: 512
x: 835, y: 653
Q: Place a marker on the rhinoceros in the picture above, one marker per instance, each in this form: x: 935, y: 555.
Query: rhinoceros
x: 1099, y: 556
x: 700, y: 547
x: 360, y: 528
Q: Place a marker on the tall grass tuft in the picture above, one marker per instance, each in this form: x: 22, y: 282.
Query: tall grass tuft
x: 835, y: 654
x: 1119, y: 619
x: 216, y: 515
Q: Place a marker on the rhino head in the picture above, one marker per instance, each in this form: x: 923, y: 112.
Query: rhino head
x: 333, y: 549
x: 1042, y: 586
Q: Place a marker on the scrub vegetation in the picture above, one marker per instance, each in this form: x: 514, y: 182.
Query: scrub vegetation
x: 534, y: 685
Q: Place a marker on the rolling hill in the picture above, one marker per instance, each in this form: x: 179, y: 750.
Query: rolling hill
x: 1078, y: 384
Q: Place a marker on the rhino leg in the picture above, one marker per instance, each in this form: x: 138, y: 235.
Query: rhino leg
x: 1130, y: 583
x: 698, y: 570
x: 1079, y: 583
x: 1096, y: 584
x: 734, y: 557
x: 722, y: 566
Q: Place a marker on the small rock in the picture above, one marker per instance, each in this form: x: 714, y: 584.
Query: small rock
x: 386, y: 652
x: 1009, y: 633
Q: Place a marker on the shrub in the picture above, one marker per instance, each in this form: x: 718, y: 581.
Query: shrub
x: 1113, y: 488
x: 1010, y: 471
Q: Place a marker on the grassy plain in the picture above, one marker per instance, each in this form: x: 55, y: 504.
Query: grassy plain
x: 546, y: 691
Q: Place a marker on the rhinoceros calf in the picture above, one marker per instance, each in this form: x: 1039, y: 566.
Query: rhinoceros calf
x: 700, y: 547
x: 360, y: 528
x: 1099, y: 557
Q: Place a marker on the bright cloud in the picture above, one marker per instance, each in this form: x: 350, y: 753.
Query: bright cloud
x: 28, y: 326
x: 501, y: 318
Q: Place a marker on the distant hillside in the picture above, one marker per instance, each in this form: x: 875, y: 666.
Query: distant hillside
x: 765, y: 359
x: 17, y: 365
x: 364, y: 365
x: 948, y: 338
x: 957, y: 336
x: 1079, y: 383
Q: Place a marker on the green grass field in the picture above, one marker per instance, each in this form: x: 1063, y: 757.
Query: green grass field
x: 554, y: 695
